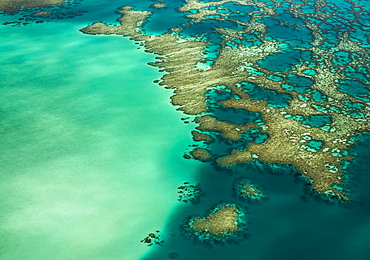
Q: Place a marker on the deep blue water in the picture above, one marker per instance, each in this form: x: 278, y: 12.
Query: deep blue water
x: 291, y: 224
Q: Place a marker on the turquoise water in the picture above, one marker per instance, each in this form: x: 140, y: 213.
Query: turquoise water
x: 90, y: 159
x: 156, y: 24
x: 91, y: 149
x: 273, y: 98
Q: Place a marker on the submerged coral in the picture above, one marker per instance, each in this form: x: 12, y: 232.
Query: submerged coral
x: 225, y: 222
x: 292, y: 79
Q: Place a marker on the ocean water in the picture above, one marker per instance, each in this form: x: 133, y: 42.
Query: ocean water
x: 90, y: 159
x: 91, y: 150
x: 290, y: 224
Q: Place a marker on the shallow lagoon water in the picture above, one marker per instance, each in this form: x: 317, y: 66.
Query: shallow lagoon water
x: 92, y: 155
x: 89, y: 145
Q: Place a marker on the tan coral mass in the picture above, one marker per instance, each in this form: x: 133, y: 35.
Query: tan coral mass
x: 12, y: 6
x: 178, y: 57
x: 249, y: 190
x: 201, y: 154
x: 223, y: 220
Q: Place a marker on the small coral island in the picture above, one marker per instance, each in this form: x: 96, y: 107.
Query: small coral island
x: 224, y: 223
x: 247, y: 191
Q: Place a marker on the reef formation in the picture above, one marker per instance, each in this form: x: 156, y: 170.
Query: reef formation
x: 190, y: 193
x: 11, y: 7
x: 153, y: 239
x: 224, y: 223
x: 27, y: 12
x: 248, y: 191
x: 279, y: 82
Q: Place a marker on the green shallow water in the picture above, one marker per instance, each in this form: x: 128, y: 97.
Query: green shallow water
x: 87, y: 158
